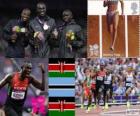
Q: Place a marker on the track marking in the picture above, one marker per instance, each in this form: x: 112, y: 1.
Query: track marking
x: 100, y: 35
x: 126, y: 37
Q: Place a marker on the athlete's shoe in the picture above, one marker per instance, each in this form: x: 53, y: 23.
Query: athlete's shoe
x: 128, y: 104
x: 90, y: 107
x: 106, y: 106
x: 82, y: 106
x: 94, y: 106
x: 88, y: 110
x: 113, y: 101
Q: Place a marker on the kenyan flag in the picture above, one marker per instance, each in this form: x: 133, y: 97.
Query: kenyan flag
x: 61, y: 87
x: 62, y: 106
x: 61, y: 68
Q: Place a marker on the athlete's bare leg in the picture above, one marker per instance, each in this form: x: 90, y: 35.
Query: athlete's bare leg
x: 110, y: 28
x: 127, y: 96
x: 127, y: 93
x: 82, y: 101
x: 89, y: 101
x: 115, y: 27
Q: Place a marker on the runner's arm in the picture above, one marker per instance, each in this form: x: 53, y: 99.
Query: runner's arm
x: 5, y: 80
x: 36, y: 83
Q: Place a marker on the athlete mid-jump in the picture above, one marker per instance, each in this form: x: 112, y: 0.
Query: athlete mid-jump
x: 113, y: 18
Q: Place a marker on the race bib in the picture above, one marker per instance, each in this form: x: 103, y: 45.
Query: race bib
x: 107, y: 82
x: 99, y: 78
x: 93, y: 82
x: 18, y: 95
x: 129, y: 84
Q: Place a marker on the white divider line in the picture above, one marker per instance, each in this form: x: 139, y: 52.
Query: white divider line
x: 100, y: 35
x: 126, y: 37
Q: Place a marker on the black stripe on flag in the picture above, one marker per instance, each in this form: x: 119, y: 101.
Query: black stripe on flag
x: 61, y: 87
x: 56, y: 99
x: 66, y: 60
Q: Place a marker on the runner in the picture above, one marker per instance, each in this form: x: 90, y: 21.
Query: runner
x: 18, y: 83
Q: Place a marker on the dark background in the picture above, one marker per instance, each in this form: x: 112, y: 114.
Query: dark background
x: 10, y: 9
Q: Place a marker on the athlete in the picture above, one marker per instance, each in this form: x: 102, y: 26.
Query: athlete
x: 113, y: 18
x: 108, y: 88
x: 16, y: 34
x: 18, y: 83
x: 87, y: 93
x: 44, y: 33
x: 129, y: 83
x: 93, y: 86
x: 100, y: 82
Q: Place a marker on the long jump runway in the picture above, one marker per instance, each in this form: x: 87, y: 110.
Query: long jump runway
x: 133, y: 36
x: 93, y: 31
x: 132, y: 33
x: 120, y: 41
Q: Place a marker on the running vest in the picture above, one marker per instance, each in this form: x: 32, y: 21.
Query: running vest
x: 100, y: 77
x: 93, y: 83
x: 88, y: 81
x: 129, y: 80
x: 108, y: 80
x: 17, y: 90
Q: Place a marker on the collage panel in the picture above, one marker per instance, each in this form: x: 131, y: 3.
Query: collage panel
x: 61, y: 75
x: 133, y: 32
x: 118, y: 32
x: 119, y: 44
x: 93, y: 42
x: 23, y: 87
x: 69, y: 58
x: 107, y: 86
x: 43, y: 28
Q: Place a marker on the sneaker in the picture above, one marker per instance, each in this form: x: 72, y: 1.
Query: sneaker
x: 82, y: 106
x: 88, y: 110
x: 90, y: 107
x: 114, y: 101
x: 128, y: 104
x: 94, y: 106
x: 106, y: 106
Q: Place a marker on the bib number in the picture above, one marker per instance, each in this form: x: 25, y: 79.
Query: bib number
x: 99, y: 78
x: 107, y: 82
x: 129, y: 84
x: 18, y: 95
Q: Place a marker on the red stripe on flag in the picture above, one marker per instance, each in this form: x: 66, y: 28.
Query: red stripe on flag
x: 69, y: 106
x: 65, y: 67
x: 54, y: 106
x: 57, y: 106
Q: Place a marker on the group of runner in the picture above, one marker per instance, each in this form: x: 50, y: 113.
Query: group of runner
x: 101, y: 79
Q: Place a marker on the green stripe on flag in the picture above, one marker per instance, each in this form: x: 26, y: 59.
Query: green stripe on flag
x: 59, y: 74
x: 65, y: 113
